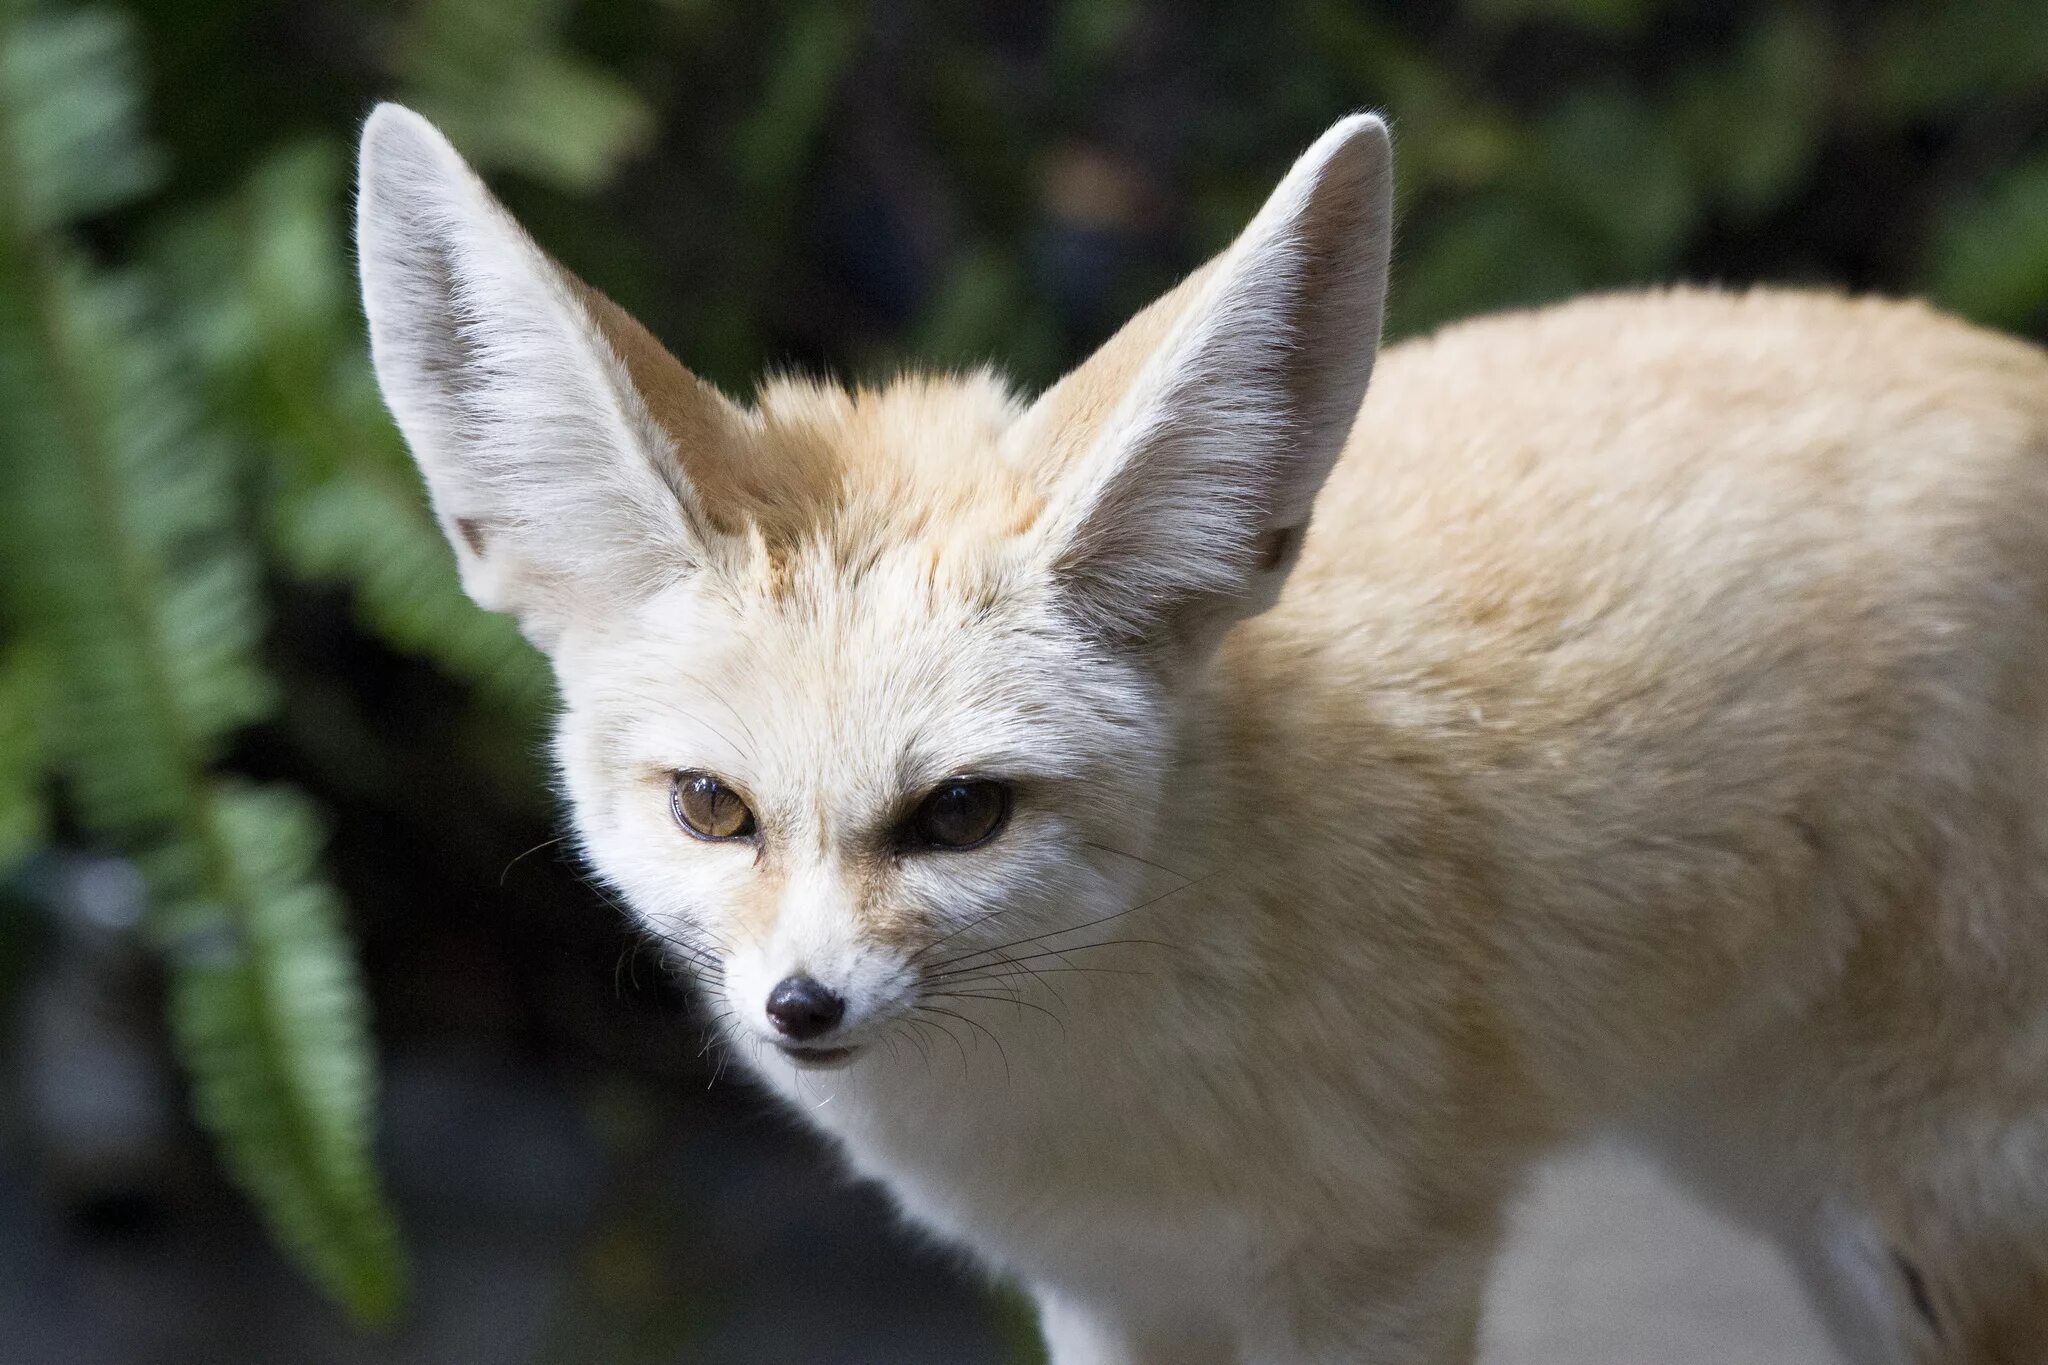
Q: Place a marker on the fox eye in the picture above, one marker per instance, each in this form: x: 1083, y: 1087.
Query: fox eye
x: 708, y: 808
x: 960, y: 814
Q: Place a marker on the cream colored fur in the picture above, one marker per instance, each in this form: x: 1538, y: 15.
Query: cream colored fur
x: 1651, y: 733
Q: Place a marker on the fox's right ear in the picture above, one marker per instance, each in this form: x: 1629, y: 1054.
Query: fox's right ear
x: 523, y: 394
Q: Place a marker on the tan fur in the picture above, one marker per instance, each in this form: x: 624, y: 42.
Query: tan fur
x: 873, y: 467
x: 1651, y: 735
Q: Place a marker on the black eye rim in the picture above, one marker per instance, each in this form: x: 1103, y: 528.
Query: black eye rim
x: 750, y: 830
x: 911, y: 838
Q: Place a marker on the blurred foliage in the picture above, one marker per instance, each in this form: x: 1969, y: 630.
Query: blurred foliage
x: 138, y: 599
x: 196, y: 460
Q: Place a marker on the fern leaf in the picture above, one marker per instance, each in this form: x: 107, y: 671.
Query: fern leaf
x: 23, y: 698
x: 492, y: 74
x: 72, y: 115
x: 273, y: 309
x: 264, y: 999
x: 129, y: 577
x: 363, y: 532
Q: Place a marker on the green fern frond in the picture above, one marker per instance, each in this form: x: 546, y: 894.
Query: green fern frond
x: 264, y: 989
x: 375, y: 538
x: 73, y: 115
x: 490, y: 73
x: 128, y: 576
x: 273, y: 312
x: 24, y: 697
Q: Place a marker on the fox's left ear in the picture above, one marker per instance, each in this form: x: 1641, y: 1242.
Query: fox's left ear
x: 1185, y: 454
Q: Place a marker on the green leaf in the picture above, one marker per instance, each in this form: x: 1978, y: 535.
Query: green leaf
x: 363, y: 532
x: 271, y: 310
x: 68, y: 83
x: 1610, y: 171
x: 490, y: 73
x: 268, y: 1014
x: 772, y: 146
x: 551, y: 118
x: 1929, y: 56
x: 24, y: 701
x: 130, y: 575
x: 1991, y: 250
x: 1490, y: 254
x: 1751, y: 126
x: 1614, y: 16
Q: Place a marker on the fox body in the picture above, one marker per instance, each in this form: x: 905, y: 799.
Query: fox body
x: 1207, y: 912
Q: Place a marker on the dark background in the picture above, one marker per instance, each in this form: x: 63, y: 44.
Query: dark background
x: 786, y: 183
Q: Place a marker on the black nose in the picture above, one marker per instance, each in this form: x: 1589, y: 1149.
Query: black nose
x: 803, y: 1009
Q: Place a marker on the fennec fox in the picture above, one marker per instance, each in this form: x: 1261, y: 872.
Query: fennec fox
x: 1207, y: 913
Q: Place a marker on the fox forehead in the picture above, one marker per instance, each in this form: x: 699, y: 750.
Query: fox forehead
x: 851, y: 472
x: 847, y: 686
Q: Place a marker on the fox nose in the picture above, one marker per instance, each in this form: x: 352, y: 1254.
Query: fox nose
x: 802, y: 1009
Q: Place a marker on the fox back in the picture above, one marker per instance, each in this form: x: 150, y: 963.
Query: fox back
x: 1198, y: 841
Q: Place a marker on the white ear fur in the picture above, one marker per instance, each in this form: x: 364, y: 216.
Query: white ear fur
x: 1187, y: 505
x: 557, y: 490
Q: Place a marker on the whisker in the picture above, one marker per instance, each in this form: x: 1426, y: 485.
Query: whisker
x: 953, y: 1037
x: 708, y: 967
x: 695, y: 933
x: 698, y: 955
x: 694, y: 717
x: 695, y: 955
x: 944, y: 938
x: 714, y: 1034
x: 1157, y: 867
x: 724, y: 1059
x: 996, y: 974
x: 1002, y: 961
x: 1045, y: 953
x: 977, y: 1024
x: 731, y: 710
x: 1023, y: 975
x: 1077, y: 928
x: 917, y: 1040
x: 545, y: 843
x: 1017, y: 1001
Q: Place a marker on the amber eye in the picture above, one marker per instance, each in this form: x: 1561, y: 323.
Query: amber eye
x: 960, y: 814
x: 709, y: 809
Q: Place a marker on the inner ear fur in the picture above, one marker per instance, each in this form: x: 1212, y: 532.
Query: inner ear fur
x: 562, y: 447
x: 1185, y: 455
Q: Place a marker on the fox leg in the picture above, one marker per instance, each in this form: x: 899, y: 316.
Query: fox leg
x: 1921, y: 1240
x: 1938, y: 1276
x: 1078, y: 1334
x: 1349, y: 1306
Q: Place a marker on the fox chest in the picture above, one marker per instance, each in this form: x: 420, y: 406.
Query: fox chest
x: 1079, y: 1195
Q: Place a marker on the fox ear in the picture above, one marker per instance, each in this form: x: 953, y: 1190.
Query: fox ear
x: 523, y: 394
x: 1188, y: 450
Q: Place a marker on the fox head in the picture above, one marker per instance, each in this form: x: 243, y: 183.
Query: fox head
x: 855, y: 682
